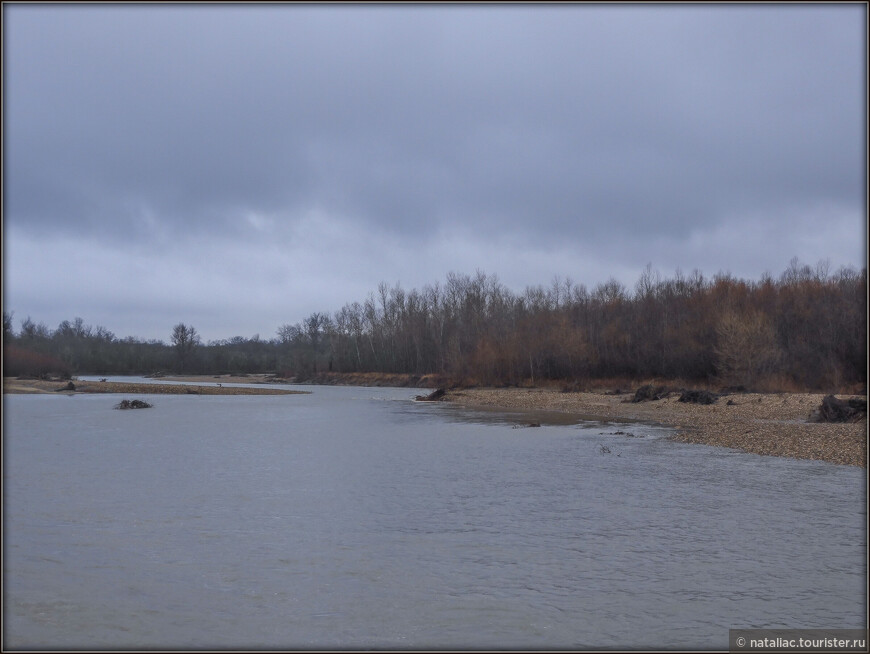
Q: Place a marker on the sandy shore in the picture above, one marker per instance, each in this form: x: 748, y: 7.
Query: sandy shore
x: 40, y: 386
x: 772, y: 424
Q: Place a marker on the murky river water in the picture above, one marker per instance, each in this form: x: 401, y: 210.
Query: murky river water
x: 354, y: 518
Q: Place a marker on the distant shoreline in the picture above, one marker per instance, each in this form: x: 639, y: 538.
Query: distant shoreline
x: 25, y: 386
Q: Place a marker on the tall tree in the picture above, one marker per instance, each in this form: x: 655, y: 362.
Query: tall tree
x: 184, y: 340
x: 746, y: 347
x: 7, y: 325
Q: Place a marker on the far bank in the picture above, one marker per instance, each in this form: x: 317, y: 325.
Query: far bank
x: 71, y: 387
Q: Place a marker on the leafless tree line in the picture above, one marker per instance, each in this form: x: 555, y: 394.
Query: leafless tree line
x: 805, y: 329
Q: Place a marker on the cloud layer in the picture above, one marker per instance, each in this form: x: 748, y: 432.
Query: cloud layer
x: 239, y: 167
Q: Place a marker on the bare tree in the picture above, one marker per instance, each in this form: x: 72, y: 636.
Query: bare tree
x: 184, y: 340
x: 33, y: 331
x: 314, y: 328
x: 746, y: 347
x: 7, y: 325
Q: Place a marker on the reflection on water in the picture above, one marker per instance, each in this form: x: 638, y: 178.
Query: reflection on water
x: 353, y: 517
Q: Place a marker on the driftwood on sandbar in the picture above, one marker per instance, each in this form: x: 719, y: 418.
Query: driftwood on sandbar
x: 699, y: 397
x: 650, y: 393
x: 833, y: 409
x: 435, y: 396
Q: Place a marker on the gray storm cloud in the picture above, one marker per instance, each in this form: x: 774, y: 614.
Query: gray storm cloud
x: 346, y: 137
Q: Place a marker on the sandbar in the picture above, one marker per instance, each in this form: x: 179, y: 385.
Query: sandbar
x: 774, y: 424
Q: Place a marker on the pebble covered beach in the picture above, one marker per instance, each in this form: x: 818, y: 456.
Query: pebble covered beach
x: 774, y: 424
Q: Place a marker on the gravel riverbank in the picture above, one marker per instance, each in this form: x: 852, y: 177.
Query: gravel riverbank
x: 771, y: 423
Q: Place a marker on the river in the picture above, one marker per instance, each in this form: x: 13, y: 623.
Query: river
x: 356, y: 518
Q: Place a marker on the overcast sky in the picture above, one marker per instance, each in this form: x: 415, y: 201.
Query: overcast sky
x: 238, y: 168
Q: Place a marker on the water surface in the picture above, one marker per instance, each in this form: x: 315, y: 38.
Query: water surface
x: 355, y: 518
